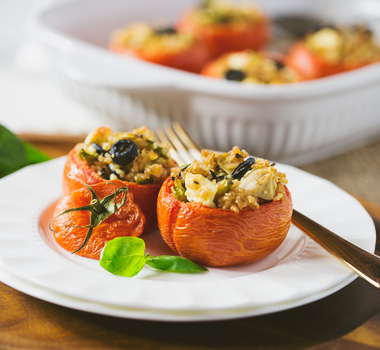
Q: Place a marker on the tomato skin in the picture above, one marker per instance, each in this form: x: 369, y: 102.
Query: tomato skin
x: 127, y: 221
x: 212, y: 69
x: 308, y: 64
x: 76, y: 169
x: 192, y: 60
x: 221, y: 38
x: 218, y: 237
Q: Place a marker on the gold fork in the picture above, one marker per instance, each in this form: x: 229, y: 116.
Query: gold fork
x: 365, y: 264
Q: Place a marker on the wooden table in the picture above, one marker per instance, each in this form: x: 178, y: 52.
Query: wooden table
x: 347, y: 319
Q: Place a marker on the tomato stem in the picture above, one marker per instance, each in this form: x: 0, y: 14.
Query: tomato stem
x: 98, y: 207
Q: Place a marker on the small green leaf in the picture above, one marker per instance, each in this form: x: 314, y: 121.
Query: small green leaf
x: 16, y: 154
x: 173, y: 264
x: 34, y: 154
x: 124, y: 256
x: 12, y: 152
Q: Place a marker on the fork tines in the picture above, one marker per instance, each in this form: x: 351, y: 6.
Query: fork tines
x: 183, y: 150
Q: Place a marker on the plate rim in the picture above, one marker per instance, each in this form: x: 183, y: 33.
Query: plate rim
x: 41, y: 293
x: 295, y: 301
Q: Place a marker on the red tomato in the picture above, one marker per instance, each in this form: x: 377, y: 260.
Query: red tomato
x: 221, y: 38
x: 76, y: 169
x: 218, y: 237
x: 126, y: 221
x: 308, y: 64
x: 192, y: 60
x: 213, y: 69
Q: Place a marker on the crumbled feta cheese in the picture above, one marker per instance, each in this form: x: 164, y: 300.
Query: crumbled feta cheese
x: 260, y: 183
x: 238, y: 60
x: 200, y: 190
x: 328, y: 42
x: 326, y: 38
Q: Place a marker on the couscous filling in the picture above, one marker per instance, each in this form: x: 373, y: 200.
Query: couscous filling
x: 232, y: 180
x: 128, y: 156
x: 225, y: 12
x: 142, y: 37
x: 249, y: 67
x: 350, y: 46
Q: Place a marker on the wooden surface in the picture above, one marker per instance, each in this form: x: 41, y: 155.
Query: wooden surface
x: 348, y: 319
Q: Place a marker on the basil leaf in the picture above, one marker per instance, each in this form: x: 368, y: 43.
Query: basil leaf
x: 173, y: 264
x: 34, y: 154
x: 12, y: 152
x: 16, y: 154
x: 124, y: 256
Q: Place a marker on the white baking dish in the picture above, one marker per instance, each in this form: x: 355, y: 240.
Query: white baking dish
x: 294, y: 123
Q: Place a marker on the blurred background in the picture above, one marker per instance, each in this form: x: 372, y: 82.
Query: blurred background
x: 30, y: 103
x: 42, y: 106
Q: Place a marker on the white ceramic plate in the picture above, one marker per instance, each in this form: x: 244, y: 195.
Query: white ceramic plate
x: 297, y: 273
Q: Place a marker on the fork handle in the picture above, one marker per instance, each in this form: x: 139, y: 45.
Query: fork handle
x: 365, y: 264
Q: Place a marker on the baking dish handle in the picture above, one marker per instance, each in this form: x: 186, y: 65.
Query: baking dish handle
x: 98, y: 67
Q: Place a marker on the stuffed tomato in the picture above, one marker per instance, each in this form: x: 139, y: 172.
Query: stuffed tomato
x: 225, y: 209
x: 163, y: 46
x: 86, y: 219
x: 333, y: 50
x: 249, y: 67
x: 134, y: 157
x: 223, y: 26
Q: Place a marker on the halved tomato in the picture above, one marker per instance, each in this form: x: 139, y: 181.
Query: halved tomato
x: 192, y: 59
x: 225, y: 37
x: 309, y: 65
x: 218, y: 237
x: 77, y: 170
x: 68, y: 228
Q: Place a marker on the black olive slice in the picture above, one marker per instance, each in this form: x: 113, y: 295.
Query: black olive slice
x: 243, y: 168
x: 104, y: 174
x: 225, y: 18
x: 124, y: 152
x: 235, y: 75
x: 279, y: 64
x: 182, y: 169
x: 166, y: 30
x: 98, y: 148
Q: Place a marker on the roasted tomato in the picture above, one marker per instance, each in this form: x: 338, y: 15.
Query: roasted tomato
x: 218, y: 237
x: 249, y: 67
x: 78, y: 170
x: 163, y: 46
x: 70, y: 229
x: 309, y: 65
x: 225, y: 27
x: 333, y: 50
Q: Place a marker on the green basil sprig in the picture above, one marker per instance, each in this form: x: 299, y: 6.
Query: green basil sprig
x: 16, y: 154
x: 124, y: 256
